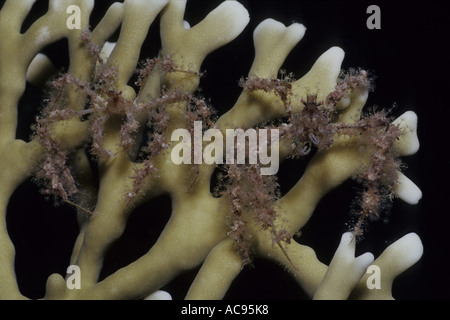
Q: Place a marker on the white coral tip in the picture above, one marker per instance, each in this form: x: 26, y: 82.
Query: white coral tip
x: 333, y: 56
x: 159, y: 295
x: 347, y: 251
x: 407, y: 190
x: 406, y: 251
x: 273, y: 28
x: 237, y: 17
x: 408, y: 143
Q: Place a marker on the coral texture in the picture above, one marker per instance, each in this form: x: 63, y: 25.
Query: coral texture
x: 117, y: 130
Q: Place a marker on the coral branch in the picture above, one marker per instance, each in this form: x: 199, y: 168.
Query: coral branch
x: 344, y: 271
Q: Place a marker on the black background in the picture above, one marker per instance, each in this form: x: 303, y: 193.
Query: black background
x: 408, y: 58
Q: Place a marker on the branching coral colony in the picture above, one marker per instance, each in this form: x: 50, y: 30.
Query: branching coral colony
x: 95, y: 116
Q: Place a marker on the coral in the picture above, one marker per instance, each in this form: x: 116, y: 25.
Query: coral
x: 104, y: 143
